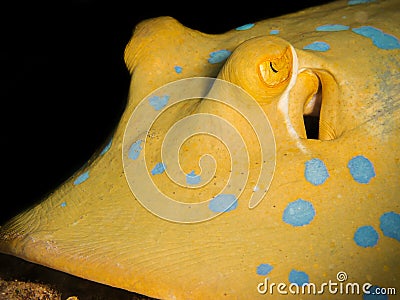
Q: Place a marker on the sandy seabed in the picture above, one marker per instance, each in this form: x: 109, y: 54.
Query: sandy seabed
x: 22, y: 280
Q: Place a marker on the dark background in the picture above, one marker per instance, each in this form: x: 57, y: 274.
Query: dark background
x: 64, y: 85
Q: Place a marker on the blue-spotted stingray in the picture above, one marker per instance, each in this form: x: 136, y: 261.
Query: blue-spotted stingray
x: 245, y: 165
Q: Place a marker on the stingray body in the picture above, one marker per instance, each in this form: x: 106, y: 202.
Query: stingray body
x: 278, y: 205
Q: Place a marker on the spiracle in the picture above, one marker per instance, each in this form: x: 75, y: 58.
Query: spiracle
x: 193, y: 147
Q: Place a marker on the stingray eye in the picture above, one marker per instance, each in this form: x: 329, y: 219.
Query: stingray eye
x: 275, y: 71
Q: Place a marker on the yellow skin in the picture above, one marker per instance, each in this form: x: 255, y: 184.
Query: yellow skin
x: 93, y: 226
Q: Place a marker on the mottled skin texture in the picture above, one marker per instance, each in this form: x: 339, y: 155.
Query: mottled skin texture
x: 97, y: 230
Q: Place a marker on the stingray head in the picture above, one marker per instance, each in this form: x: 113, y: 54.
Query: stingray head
x: 240, y: 157
x: 273, y: 71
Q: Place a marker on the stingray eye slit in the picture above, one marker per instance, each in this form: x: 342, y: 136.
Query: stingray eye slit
x: 275, y: 70
x: 272, y: 67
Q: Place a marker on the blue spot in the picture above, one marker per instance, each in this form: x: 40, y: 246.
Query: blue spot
x: 315, y: 171
x: 361, y: 169
x: 223, y: 203
x: 374, y: 294
x: 81, y: 178
x: 159, y: 102
x: 366, y: 236
x: 299, y: 213
x: 317, y: 46
x: 390, y: 225
x: 332, y: 27
x: 134, y: 150
x: 64, y: 204
x: 218, y: 56
x: 192, y: 178
x: 355, y: 2
x: 178, y: 69
x: 106, y: 148
x: 379, y: 38
x: 298, y: 277
x: 158, y: 169
x: 264, y: 269
x: 274, y: 31
x: 245, y: 27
